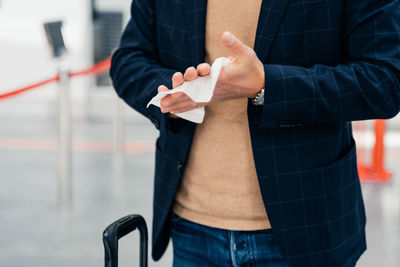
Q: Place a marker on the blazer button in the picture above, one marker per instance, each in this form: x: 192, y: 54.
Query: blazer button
x: 179, y: 166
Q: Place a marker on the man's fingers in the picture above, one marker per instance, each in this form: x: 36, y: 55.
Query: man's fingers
x: 182, y: 107
x: 162, y: 88
x: 202, y: 104
x: 190, y: 74
x: 165, y: 103
x: 177, y: 79
x: 203, y: 69
x: 180, y: 102
x: 233, y: 44
x: 189, y: 107
x: 173, y: 99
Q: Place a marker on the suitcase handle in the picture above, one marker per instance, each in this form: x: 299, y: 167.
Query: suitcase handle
x: 119, y: 229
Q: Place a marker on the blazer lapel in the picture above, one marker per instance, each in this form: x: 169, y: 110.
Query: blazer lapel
x: 271, y: 14
x: 195, y: 25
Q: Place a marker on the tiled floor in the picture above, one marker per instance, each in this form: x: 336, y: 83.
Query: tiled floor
x: 35, y: 231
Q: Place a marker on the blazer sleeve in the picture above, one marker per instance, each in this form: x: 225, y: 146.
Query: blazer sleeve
x: 365, y: 86
x: 135, y: 69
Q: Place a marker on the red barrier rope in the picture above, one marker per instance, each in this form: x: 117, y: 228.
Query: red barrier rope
x: 17, y: 92
x: 96, y: 69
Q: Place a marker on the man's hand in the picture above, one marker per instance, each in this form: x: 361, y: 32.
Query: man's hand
x: 243, y: 77
x: 180, y: 102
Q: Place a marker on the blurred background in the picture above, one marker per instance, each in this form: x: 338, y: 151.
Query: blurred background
x: 52, y: 218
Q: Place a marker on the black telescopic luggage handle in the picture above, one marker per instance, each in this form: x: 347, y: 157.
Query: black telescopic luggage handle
x: 119, y: 229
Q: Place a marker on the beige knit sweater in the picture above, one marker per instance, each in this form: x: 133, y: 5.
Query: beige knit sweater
x: 219, y: 187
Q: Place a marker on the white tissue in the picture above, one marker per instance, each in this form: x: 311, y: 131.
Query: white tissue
x: 199, y: 90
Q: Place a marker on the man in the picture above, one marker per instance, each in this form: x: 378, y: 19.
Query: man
x: 269, y: 178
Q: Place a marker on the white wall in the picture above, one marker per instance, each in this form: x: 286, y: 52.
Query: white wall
x: 115, y: 5
x: 24, y: 53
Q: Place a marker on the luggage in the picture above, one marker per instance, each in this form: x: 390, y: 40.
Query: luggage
x: 119, y: 229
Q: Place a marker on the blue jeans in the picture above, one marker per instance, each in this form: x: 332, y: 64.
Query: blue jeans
x: 199, y: 245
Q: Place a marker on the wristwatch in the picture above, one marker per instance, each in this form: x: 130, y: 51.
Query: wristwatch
x: 259, y: 99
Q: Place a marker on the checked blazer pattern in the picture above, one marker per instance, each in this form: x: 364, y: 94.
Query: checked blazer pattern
x: 327, y: 63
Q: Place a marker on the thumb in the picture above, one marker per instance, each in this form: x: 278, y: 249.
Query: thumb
x: 233, y: 44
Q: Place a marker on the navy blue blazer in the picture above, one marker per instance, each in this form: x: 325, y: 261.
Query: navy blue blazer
x: 327, y: 63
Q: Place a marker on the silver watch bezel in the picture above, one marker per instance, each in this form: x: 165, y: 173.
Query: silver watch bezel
x: 259, y: 99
